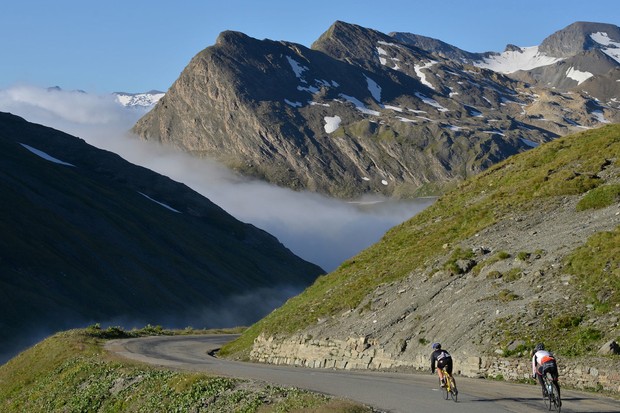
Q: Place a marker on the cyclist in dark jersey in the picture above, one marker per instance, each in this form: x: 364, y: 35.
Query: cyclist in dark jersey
x: 443, y: 359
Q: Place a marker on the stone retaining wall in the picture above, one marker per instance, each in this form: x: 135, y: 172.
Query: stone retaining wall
x: 361, y: 353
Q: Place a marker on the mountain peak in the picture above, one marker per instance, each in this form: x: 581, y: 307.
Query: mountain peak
x: 578, y: 37
x: 231, y: 37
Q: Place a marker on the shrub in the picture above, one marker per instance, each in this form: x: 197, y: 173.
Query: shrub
x: 502, y: 255
x: 513, y: 275
x: 494, y: 275
x: 523, y: 256
x: 506, y: 295
x: 566, y: 321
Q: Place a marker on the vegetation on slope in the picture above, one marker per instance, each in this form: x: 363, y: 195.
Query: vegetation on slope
x: 69, y: 372
x: 573, y: 165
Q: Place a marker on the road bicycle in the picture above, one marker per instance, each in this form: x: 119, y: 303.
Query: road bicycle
x: 552, y: 398
x: 449, y: 390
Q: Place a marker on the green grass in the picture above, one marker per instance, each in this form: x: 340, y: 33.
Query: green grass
x: 69, y: 372
x: 600, y: 197
x: 535, y: 179
x: 597, y: 266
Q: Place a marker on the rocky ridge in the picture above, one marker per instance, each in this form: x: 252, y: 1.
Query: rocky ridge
x: 360, y: 112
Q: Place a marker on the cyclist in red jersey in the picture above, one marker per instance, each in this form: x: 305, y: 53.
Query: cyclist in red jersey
x: 544, y: 362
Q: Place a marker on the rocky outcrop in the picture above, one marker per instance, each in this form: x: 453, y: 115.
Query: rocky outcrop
x: 360, y: 353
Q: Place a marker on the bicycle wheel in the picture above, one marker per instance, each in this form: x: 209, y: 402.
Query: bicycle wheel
x: 557, y: 402
x: 454, y: 393
x: 548, y: 399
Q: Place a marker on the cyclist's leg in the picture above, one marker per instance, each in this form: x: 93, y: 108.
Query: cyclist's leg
x: 440, y: 365
x: 539, y: 374
x: 449, y: 370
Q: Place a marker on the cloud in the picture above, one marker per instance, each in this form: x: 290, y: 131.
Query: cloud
x: 319, y: 229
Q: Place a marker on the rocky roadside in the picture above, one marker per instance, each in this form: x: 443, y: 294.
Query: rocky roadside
x: 481, y: 315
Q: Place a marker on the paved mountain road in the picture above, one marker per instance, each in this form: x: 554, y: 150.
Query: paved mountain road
x: 390, y: 392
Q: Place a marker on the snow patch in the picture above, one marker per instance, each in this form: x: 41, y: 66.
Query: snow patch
x: 578, y: 75
x: 139, y: 99
x: 45, y: 156
x: 312, y: 103
x: 494, y: 132
x: 311, y: 89
x: 598, y: 115
x: 613, y: 50
x: 374, y: 89
x: 384, y: 56
x: 293, y: 104
x: 529, y: 143
x: 431, y: 102
x: 395, y: 108
x: 160, y: 203
x: 332, y: 123
x: 359, y: 105
x: 526, y: 58
x: 388, y: 44
x: 418, y: 71
x: 298, y: 69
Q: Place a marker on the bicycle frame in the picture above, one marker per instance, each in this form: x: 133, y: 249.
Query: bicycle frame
x: 450, y: 389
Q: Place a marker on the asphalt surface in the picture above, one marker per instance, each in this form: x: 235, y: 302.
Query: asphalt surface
x: 388, y: 392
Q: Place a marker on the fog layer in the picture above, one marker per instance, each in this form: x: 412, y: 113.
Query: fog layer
x: 321, y: 230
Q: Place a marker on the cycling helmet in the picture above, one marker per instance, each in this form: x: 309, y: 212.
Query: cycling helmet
x: 436, y: 346
x: 539, y: 346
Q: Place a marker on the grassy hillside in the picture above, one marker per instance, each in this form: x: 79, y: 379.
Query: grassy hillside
x: 585, y: 163
x: 70, y: 372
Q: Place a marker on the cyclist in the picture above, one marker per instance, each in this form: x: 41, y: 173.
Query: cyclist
x: 443, y: 359
x: 543, y: 362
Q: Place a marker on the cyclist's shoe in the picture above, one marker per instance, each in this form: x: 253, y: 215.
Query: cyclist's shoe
x: 443, y: 382
x: 545, y: 394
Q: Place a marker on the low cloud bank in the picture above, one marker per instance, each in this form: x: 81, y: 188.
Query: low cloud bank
x: 321, y: 230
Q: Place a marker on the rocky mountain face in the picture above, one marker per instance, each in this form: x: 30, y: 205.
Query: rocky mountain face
x: 365, y: 112
x: 88, y: 237
x: 581, y: 52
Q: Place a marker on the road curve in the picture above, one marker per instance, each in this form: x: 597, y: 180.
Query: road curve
x: 390, y: 392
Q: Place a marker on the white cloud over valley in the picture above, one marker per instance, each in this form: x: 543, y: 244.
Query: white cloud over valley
x: 322, y: 230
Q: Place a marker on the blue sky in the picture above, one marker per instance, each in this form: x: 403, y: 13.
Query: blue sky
x: 139, y: 45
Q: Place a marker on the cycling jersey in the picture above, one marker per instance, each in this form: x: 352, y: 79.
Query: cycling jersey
x: 443, y: 359
x: 540, y: 358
